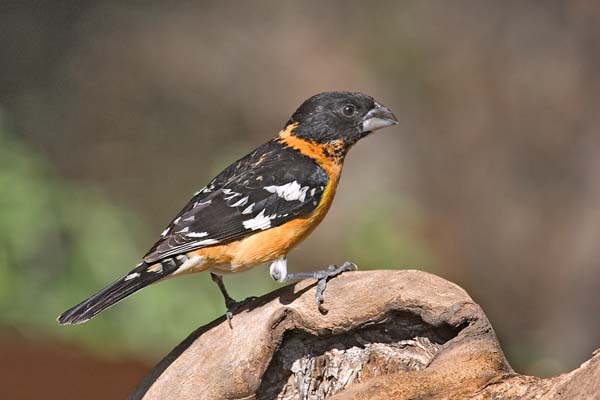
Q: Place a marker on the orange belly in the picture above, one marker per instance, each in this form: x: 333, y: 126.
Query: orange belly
x: 265, y: 245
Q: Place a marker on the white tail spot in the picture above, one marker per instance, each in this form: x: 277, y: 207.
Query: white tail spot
x: 132, y: 276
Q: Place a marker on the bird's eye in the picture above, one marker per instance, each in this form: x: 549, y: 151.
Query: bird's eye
x: 349, y: 110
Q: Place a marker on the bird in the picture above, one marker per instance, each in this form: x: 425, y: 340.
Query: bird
x: 258, y: 208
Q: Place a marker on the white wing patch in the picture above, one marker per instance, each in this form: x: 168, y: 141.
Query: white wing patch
x: 205, y: 189
x: 261, y: 222
x: 165, y: 232
x: 240, y: 202
x: 289, y: 192
x: 232, y: 195
x: 206, y: 242
x: 197, y: 234
x: 248, y: 209
x: 201, y: 203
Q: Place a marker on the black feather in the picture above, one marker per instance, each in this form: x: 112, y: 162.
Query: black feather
x: 117, y: 291
x: 320, y: 118
x: 213, y: 212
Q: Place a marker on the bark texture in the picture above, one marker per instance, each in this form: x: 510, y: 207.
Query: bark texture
x: 388, y: 335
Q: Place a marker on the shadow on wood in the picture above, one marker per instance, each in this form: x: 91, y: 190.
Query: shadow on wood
x: 388, y: 335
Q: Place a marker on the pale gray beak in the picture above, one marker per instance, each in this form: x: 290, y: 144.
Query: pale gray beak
x: 379, y: 117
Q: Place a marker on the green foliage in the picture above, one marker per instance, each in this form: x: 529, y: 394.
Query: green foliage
x: 383, y: 236
x: 59, y: 243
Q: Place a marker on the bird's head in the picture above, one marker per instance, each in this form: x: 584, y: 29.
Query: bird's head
x: 335, y: 116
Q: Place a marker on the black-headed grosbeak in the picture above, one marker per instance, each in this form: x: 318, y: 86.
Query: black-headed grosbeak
x: 258, y: 208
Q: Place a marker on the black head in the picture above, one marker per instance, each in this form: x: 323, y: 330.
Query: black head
x: 332, y: 116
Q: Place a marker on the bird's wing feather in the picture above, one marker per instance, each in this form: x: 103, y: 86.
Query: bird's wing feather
x: 270, y: 186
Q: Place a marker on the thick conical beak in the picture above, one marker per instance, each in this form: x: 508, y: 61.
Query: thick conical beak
x: 379, y: 117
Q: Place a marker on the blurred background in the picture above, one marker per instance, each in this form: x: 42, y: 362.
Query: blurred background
x: 112, y: 114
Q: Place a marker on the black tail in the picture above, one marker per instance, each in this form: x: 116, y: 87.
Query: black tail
x: 138, y: 278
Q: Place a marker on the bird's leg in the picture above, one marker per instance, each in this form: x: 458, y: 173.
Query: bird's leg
x: 218, y: 279
x: 231, y: 305
x: 279, y: 273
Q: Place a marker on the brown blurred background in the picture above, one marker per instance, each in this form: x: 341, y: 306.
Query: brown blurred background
x: 113, y: 113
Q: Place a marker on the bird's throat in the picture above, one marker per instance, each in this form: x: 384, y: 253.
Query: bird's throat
x: 330, y: 155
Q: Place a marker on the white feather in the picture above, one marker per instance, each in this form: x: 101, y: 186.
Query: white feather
x: 191, y: 262
x: 290, y: 191
x: 278, y: 269
x: 207, y: 242
x: 259, y: 222
x: 132, y: 276
x: 240, y: 202
x: 197, y: 234
x: 248, y: 209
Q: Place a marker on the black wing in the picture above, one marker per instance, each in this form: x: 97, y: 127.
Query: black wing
x: 266, y: 188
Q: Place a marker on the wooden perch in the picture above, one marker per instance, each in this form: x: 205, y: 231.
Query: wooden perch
x: 388, y: 335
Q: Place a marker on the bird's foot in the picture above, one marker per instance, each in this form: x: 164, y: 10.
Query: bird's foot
x: 322, y: 277
x: 233, y: 306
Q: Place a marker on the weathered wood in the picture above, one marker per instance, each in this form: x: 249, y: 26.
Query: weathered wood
x: 388, y: 335
x: 312, y: 367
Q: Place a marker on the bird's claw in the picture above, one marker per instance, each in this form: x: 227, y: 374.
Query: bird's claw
x: 323, y: 276
x: 233, y: 306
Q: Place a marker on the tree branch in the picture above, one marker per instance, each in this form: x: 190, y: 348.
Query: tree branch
x: 388, y: 334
